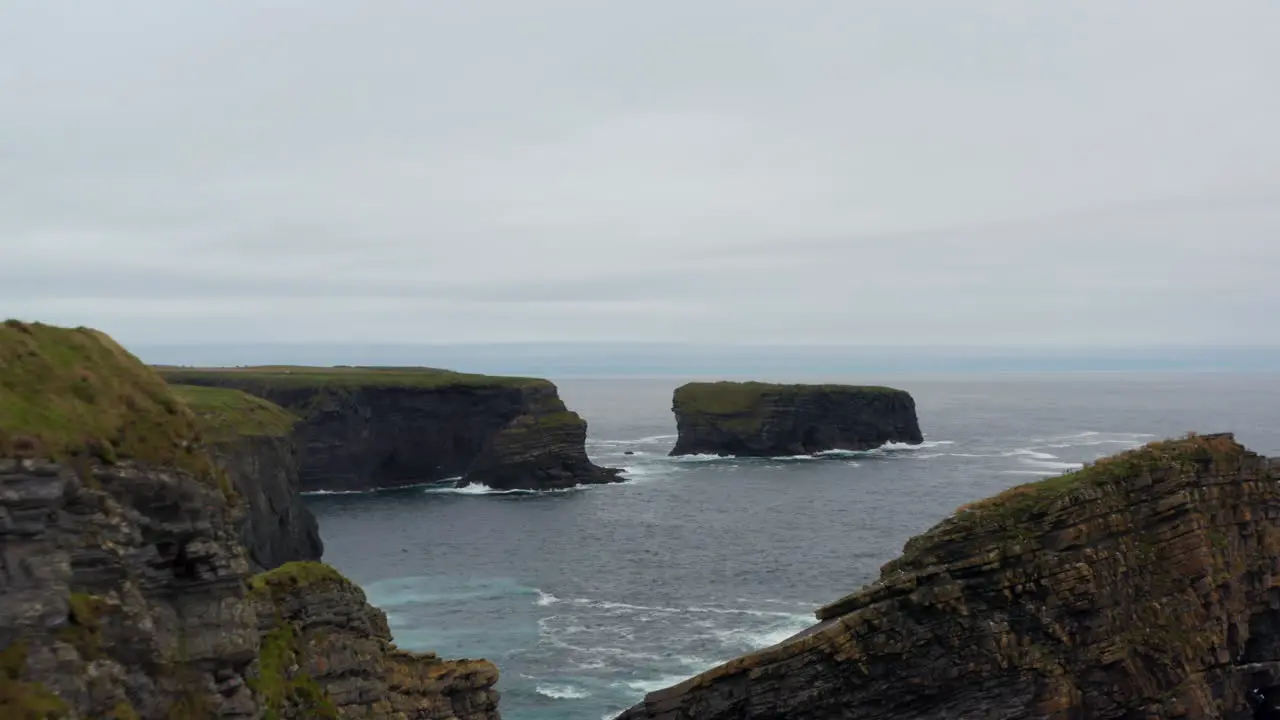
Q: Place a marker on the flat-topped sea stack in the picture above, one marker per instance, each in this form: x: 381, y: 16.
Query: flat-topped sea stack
x: 1146, y: 585
x: 126, y: 587
x: 753, y: 419
x: 363, y: 428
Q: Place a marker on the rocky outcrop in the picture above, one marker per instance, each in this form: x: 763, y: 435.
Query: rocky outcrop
x: 1144, y: 586
x: 327, y: 653
x: 251, y: 440
x: 365, y: 428
x: 754, y: 419
x: 125, y: 589
x: 545, y: 451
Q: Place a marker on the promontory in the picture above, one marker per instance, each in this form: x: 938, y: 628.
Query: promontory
x: 127, y: 587
x: 754, y: 419
x: 362, y: 428
x: 1143, y: 586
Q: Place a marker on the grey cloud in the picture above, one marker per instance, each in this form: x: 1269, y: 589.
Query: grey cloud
x: 866, y: 172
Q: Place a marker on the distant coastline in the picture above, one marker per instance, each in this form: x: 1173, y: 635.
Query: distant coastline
x: 578, y: 360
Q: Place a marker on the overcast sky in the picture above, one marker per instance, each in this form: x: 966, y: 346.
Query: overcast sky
x: 882, y: 173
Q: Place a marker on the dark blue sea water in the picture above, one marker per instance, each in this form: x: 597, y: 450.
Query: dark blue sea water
x: 590, y: 598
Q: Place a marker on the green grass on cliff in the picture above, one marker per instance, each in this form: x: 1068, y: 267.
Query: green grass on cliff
x: 266, y: 377
x: 75, y: 392
x: 1018, y: 512
x: 226, y: 414
x: 735, y: 398
x: 293, y: 577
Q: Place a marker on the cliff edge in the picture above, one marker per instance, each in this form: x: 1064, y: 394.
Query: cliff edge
x: 252, y: 441
x: 1144, y: 586
x: 365, y: 428
x: 125, y: 589
x: 752, y: 419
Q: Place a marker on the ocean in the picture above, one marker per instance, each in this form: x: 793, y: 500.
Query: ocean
x: 589, y: 598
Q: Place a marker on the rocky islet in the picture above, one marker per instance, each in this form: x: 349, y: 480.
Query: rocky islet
x: 755, y: 419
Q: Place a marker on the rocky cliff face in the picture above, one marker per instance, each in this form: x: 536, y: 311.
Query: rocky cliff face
x: 326, y: 653
x: 125, y: 589
x: 1145, y: 586
x: 761, y: 419
x: 264, y: 472
x: 364, y: 428
x: 251, y: 440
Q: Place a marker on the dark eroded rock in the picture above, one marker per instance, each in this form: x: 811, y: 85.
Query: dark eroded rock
x: 252, y: 441
x: 366, y: 428
x: 761, y: 419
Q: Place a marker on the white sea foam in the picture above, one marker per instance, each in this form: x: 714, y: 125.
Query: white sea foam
x: 702, y: 457
x: 478, y: 489
x: 381, y: 489
x: 545, y: 598
x: 1054, y: 465
x: 1039, y: 473
x: 648, y: 686
x: 1028, y: 452
x: 922, y: 446
x: 561, y: 692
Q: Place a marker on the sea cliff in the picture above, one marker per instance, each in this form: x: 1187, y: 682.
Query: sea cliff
x: 764, y: 419
x: 364, y: 428
x: 252, y: 441
x: 1144, y: 586
x: 126, y: 589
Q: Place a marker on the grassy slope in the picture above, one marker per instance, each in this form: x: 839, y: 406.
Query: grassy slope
x: 226, y: 414
x: 292, y: 376
x: 67, y: 392
x: 729, y: 398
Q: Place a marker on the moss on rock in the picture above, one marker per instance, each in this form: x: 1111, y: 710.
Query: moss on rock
x: 21, y: 699
x: 280, y: 688
x: 735, y: 398
x: 226, y: 414
x: 292, y: 576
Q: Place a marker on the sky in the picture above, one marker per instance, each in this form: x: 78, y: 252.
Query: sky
x: 986, y: 173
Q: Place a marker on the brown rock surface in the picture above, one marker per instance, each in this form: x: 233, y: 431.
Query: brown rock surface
x: 1144, y: 586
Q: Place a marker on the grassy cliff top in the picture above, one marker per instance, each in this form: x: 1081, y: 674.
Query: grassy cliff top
x: 298, y: 376
x: 226, y: 413
x: 295, y: 577
x: 726, y: 397
x: 75, y: 391
x: 1019, y: 511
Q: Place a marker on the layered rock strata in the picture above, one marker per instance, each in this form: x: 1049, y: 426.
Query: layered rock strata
x: 365, y: 428
x: 1144, y: 586
x: 252, y: 441
x: 125, y: 587
x: 751, y: 419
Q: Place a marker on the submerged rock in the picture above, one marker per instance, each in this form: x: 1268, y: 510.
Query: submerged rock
x: 366, y: 428
x: 752, y: 419
x: 1143, y: 586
